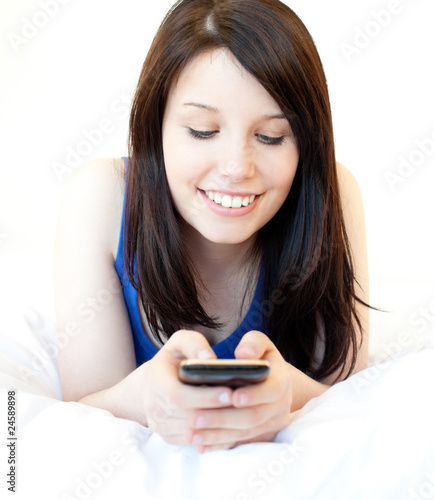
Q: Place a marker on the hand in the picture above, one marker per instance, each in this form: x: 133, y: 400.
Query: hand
x: 258, y: 411
x: 168, y: 403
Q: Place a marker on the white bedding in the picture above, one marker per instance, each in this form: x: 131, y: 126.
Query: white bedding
x: 370, y: 437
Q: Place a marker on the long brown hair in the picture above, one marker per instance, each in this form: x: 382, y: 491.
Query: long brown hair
x: 308, y: 272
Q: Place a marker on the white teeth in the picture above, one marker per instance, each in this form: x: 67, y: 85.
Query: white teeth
x: 236, y: 202
x: 227, y: 201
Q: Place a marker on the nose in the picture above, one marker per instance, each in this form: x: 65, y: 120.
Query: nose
x: 238, y: 163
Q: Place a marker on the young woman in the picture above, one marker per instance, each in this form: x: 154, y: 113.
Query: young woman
x: 229, y: 231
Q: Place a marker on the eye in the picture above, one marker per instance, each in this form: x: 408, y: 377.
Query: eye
x: 202, y: 135
x: 271, y: 141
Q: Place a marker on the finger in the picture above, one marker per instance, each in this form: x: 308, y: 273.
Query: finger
x: 176, y: 394
x: 170, y: 425
x: 188, y: 344
x: 266, y: 437
x: 272, y: 389
x: 172, y: 429
x: 192, y: 397
x: 217, y: 447
x: 218, y: 437
x: 233, y: 418
x: 254, y: 345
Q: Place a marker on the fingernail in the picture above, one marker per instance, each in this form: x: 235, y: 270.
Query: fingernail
x: 225, y: 398
x: 247, y: 350
x: 205, y: 354
x: 243, y: 400
x: 200, y: 422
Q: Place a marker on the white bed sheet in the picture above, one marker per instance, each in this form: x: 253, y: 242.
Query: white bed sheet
x: 370, y: 437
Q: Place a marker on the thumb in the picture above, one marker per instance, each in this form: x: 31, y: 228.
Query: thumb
x: 253, y: 345
x: 188, y: 344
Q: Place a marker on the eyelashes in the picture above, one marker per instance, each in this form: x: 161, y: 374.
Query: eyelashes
x: 197, y: 134
x: 264, y: 139
x: 271, y: 141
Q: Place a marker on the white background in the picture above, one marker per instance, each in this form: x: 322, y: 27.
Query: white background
x: 63, y: 73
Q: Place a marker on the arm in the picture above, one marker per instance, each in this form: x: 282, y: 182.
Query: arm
x: 98, y: 351
x: 96, y: 355
x: 354, y: 218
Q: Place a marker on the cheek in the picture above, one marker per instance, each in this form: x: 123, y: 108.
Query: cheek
x: 185, y: 168
x: 184, y: 163
x: 283, y: 176
x: 183, y: 177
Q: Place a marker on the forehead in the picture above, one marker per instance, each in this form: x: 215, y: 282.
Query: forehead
x: 217, y: 77
x: 213, y: 61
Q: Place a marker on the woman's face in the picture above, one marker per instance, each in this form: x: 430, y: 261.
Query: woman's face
x: 229, y: 152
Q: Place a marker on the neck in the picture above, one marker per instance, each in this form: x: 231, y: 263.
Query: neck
x: 218, y: 262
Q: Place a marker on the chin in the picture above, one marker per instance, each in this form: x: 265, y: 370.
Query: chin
x: 232, y: 238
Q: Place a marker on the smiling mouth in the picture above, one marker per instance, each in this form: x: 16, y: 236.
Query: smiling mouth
x: 228, y: 201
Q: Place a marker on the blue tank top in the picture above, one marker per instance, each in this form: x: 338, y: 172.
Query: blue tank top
x: 144, y: 348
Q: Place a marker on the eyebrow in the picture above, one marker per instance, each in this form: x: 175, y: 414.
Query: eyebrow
x: 203, y: 106
x: 279, y: 116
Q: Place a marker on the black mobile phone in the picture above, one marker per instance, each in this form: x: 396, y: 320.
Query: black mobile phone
x: 229, y: 372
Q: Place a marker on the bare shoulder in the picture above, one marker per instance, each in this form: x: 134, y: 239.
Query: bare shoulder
x: 99, y: 177
x: 348, y: 187
x: 95, y: 190
x: 352, y: 205
x: 354, y: 219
